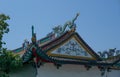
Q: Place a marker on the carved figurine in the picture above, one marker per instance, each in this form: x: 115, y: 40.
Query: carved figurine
x: 59, y: 30
x: 107, y: 54
x: 25, y: 44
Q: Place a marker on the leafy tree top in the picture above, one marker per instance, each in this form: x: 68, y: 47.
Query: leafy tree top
x: 3, y: 27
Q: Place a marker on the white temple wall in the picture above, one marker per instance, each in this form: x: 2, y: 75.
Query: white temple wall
x: 49, y: 70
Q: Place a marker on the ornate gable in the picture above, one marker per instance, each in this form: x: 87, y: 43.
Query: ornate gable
x: 72, y: 47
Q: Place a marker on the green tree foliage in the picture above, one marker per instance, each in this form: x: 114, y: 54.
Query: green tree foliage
x: 3, y: 27
x: 8, y: 60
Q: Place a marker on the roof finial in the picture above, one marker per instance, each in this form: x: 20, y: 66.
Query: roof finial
x: 33, y: 39
x: 32, y: 30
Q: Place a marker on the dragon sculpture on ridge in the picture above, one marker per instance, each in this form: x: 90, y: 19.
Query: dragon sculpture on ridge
x: 59, y: 30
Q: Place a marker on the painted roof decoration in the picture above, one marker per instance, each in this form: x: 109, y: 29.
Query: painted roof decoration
x: 64, y: 46
x: 71, y: 48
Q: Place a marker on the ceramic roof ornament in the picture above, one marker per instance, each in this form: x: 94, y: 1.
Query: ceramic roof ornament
x: 59, y: 30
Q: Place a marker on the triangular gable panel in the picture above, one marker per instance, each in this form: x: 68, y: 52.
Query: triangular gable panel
x: 71, y: 49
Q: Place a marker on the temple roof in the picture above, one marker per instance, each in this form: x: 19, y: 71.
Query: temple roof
x: 55, y: 43
x: 62, y: 47
x: 47, y: 52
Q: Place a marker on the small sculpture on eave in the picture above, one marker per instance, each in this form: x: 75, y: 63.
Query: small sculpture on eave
x: 59, y: 30
x: 25, y: 44
x: 109, y: 53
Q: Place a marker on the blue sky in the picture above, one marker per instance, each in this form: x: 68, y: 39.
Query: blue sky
x: 98, y: 23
